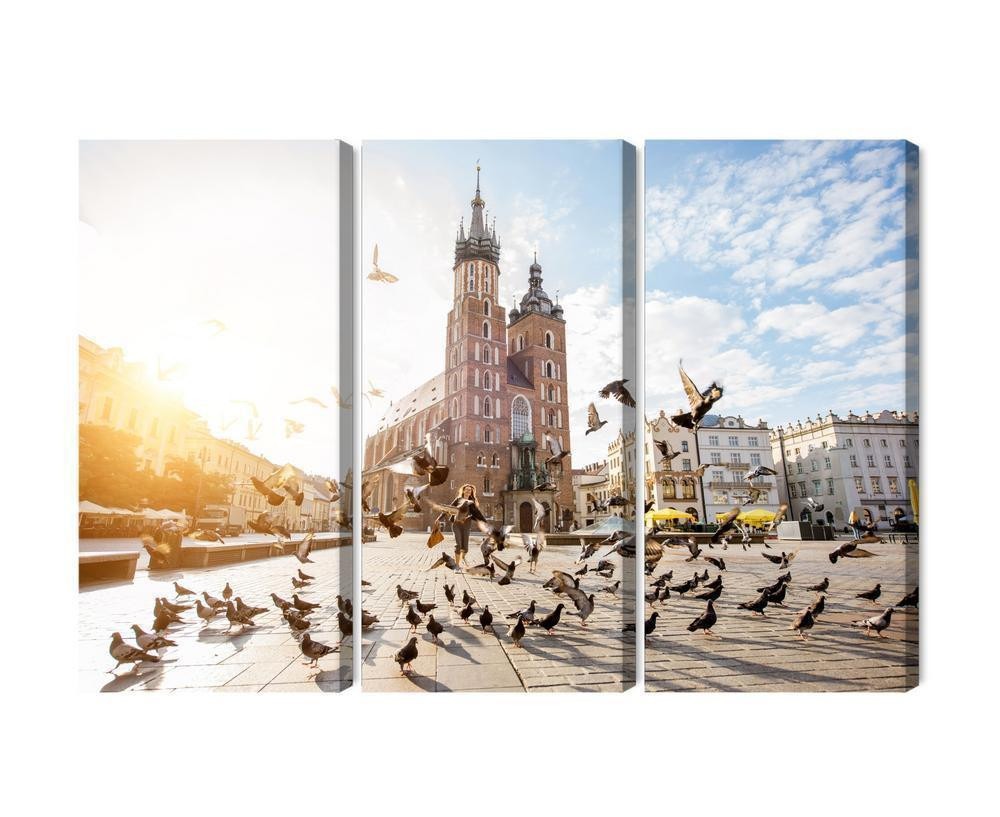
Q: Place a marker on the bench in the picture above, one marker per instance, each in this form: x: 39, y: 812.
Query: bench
x: 210, y: 554
x: 108, y: 566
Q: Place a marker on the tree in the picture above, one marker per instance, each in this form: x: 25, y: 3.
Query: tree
x: 179, y: 488
x: 109, y: 467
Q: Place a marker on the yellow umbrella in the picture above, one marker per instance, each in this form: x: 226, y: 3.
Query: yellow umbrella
x: 666, y: 515
x: 757, y: 516
x: 914, y: 500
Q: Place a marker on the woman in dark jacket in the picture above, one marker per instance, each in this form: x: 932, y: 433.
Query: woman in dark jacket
x: 466, y: 495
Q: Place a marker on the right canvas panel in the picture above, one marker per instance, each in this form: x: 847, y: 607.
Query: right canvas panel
x: 782, y: 445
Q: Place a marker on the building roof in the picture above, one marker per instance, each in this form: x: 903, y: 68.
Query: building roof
x: 424, y: 396
x: 516, y: 377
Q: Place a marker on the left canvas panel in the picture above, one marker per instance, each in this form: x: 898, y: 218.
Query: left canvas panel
x: 215, y: 416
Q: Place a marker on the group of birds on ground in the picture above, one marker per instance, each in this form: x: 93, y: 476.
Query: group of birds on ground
x: 772, y: 594
x: 564, y: 586
x: 150, y: 646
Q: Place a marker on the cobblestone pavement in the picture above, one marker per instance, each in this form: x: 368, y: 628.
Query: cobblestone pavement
x: 262, y: 658
x: 598, y: 657
x: 752, y: 653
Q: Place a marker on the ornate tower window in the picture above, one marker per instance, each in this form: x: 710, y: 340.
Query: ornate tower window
x: 549, y: 341
x: 472, y: 277
x: 487, y: 381
x: 487, y: 355
x: 486, y: 329
x: 549, y: 369
x: 520, y: 343
x: 487, y: 407
x: 520, y: 417
x: 486, y: 303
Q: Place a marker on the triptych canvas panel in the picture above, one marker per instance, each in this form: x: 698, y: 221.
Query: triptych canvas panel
x: 493, y: 521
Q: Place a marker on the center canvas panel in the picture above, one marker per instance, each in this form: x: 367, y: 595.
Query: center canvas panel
x: 498, y: 533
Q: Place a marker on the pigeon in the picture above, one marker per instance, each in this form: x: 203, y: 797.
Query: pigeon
x: 516, y: 631
x: 700, y: 401
x: 872, y: 594
x: 527, y: 614
x: 302, y: 604
x: 305, y: 547
x: 758, y: 604
x: 413, y: 496
x: 227, y: 592
x: 279, y: 602
x: 127, y: 654
x: 345, y: 606
x: 759, y: 471
x: 236, y: 617
x: 616, y: 389
x: 497, y: 533
x: 720, y: 563
x: 273, y: 497
x: 612, y: 588
x: 778, y: 596
x: 821, y: 587
x: 694, y: 550
x: 345, y: 625
x: 684, y: 587
x: 407, y: 655
x: 435, y: 628
x: 445, y: 560
x: 486, y: 618
x: 305, y: 576
x: 205, y: 613
x: 424, y: 608
x: 851, y: 550
x: 818, y: 606
x: 163, y: 620
x: 413, y: 618
x: 705, y: 621
x: 652, y: 597
x: 297, y: 584
x: 467, y: 598
x: 296, y: 620
x: 241, y: 607
x: 466, y: 612
x: 725, y: 526
x: 449, y: 593
x: 650, y: 624
x: 667, y: 454
x: 876, y: 623
x: 909, y: 600
x: 314, y: 650
x: 663, y: 578
x: 423, y: 464
x: 182, y: 591
x: 550, y: 621
x: 391, y: 520
x: 212, y: 601
x: 483, y: 570
x: 556, y: 451
x: 804, y: 620
x: 711, y: 595
x: 405, y: 595
x: 783, y: 579
x: 149, y: 641
x: 379, y: 274
x: 560, y: 581
x: 368, y: 620
x: 594, y: 421
x: 176, y: 609
x: 582, y: 571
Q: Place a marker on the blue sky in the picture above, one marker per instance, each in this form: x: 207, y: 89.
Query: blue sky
x: 561, y: 197
x: 778, y: 269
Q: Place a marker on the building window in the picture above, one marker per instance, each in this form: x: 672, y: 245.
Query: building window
x: 718, y: 476
x: 871, y: 461
x: 859, y: 484
x: 876, y: 485
x: 792, y: 491
x: 798, y: 468
x: 684, y: 446
x: 867, y: 443
x: 902, y: 443
x: 888, y: 461
x: 686, y: 465
x: 906, y: 461
x: 472, y: 277
x: 825, y: 444
x: 481, y: 459
x: 813, y: 465
x: 549, y: 343
x: 734, y: 458
x: 753, y: 442
x: 884, y: 442
x: 486, y: 329
x: 850, y: 443
x: 520, y: 417
x: 734, y: 442
x: 713, y: 439
x: 829, y: 486
x: 487, y: 381
x: 487, y: 354
x: 487, y: 407
x: 486, y: 486
x: 520, y: 343
x: 893, y: 485
x: 755, y: 458
x: 715, y: 458
x: 827, y: 464
x: 549, y: 370
x: 854, y: 461
x: 486, y: 303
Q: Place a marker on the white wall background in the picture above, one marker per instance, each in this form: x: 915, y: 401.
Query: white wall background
x: 402, y: 70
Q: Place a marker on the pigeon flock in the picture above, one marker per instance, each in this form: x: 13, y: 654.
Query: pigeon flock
x: 804, y: 605
x: 204, y: 610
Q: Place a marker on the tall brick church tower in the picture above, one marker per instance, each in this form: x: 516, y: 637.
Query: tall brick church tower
x: 501, y: 397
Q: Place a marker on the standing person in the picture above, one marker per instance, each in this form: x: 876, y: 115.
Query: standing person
x: 461, y: 529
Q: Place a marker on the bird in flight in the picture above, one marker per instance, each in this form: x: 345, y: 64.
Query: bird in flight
x: 217, y: 327
x: 379, y: 274
x: 594, y: 421
x: 616, y: 389
x: 699, y: 401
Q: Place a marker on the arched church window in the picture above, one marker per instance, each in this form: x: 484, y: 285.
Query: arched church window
x: 520, y: 417
x: 549, y: 369
x: 520, y: 343
x: 487, y: 381
x: 472, y: 277
x: 486, y: 329
x: 549, y: 341
x: 487, y: 354
x: 486, y: 303
x: 487, y: 407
